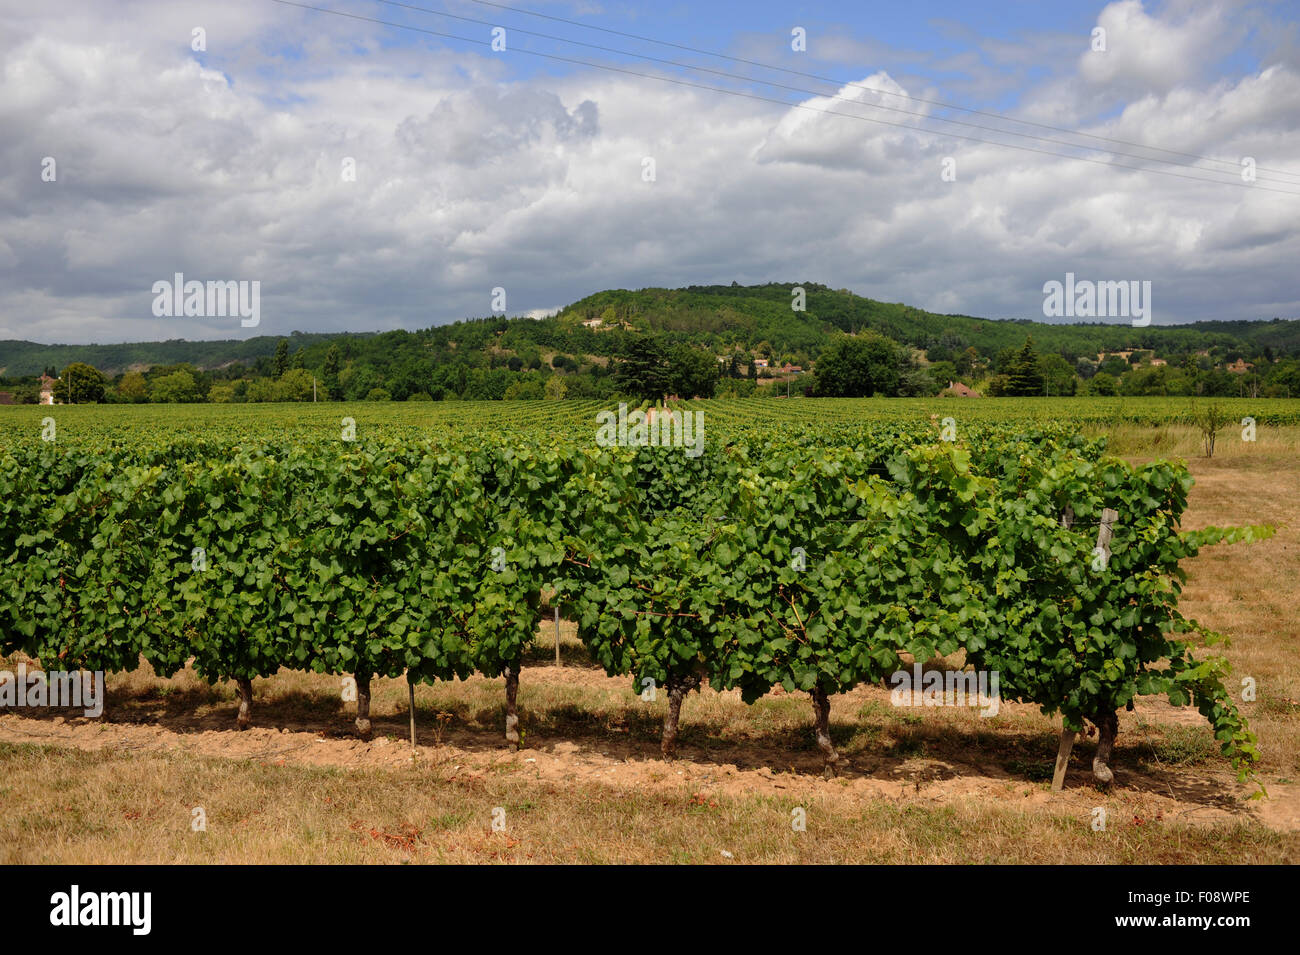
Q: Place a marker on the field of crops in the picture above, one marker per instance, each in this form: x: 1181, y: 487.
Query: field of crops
x: 809, y: 545
x: 577, y: 418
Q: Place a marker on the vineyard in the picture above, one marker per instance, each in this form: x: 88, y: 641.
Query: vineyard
x: 812, y: 546
x: 95, y: 424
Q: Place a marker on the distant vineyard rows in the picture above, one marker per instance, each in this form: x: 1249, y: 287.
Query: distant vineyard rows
x: 824, y: 417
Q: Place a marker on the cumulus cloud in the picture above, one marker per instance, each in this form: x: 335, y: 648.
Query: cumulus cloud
x: 858, y: 128
x: 1148, y: 54
x: 230, y: 163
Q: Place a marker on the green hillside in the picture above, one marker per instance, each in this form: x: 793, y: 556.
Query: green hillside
x: 749, y: 314
x: 20, y: 358
x: 754, y: 330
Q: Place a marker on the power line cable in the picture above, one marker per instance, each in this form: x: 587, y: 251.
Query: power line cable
x: 874, y: 89
x: 834, y: 96
x: 785, y: 103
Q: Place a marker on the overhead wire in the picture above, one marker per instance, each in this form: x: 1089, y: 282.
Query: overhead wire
x: 767, y: 99
x: 826, y: 79
x: 929, y: 117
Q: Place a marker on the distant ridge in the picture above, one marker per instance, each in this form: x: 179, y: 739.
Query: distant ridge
x: 19, y: 358
x: 713, y: 316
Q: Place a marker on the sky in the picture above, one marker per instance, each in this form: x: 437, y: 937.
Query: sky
x: 369, y: 175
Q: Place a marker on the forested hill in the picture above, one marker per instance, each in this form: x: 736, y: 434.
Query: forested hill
x: 725, y: 314
x: 718, y: 317
x: 20, y: 358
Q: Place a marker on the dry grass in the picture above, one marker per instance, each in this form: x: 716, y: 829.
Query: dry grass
x: 1144, y: 442
x: 1248, y: 592
x: 123, y: 808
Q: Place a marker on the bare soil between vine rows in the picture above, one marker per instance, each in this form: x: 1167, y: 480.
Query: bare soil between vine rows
x: 928, y: 757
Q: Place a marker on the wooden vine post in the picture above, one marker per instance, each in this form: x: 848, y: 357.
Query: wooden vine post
x: 1107, y: 723
x: 1062, y: 760
x: 557, y: 636
x: 1104, y: 531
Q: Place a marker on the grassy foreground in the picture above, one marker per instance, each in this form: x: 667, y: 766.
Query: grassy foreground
x: 110, y: 807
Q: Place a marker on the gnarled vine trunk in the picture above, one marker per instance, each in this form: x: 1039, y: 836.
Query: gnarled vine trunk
x: 245, y: 687
x: 363, y: 704
x: 822, y: 714
x: 1107, y: 730
x: 677, y: 688
x: 512, y: 714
